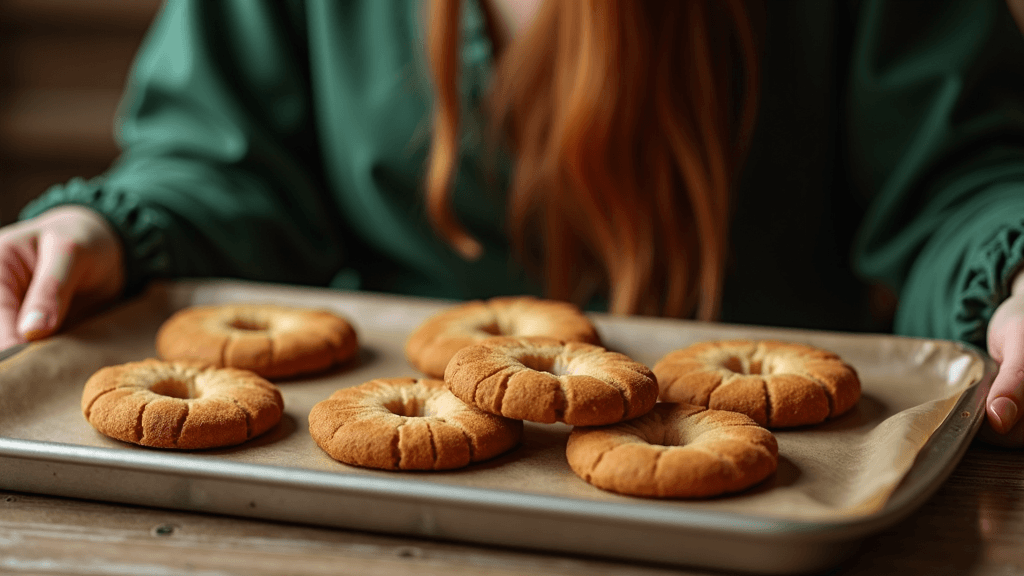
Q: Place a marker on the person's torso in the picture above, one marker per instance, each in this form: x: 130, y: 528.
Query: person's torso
x: 789, y: 262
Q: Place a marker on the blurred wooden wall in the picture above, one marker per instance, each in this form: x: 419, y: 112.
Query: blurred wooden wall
x: 63, y: 65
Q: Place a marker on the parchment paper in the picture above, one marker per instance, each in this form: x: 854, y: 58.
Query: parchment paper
x: 827, y: 473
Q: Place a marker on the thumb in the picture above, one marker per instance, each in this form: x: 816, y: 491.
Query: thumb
x: 1006, y: 396
x: 10, y: 301
x: 16, y: 265
x: 51, y: 289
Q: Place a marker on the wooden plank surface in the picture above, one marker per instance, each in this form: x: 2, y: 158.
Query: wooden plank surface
x: 973, y: 526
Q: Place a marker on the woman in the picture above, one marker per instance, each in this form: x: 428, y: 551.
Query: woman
x: 603, y: 152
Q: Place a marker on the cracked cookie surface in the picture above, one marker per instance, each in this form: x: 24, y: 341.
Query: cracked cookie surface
x: 674, y: 451
x: 548, y: 380
x: 434, y: 342
x: 778, y: 384
x: 182, y: 405
x: 408, y: 424
x: 271, y: 340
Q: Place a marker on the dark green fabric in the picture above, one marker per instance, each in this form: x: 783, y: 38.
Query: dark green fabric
x: 286, y: 142
x: 937, y: 125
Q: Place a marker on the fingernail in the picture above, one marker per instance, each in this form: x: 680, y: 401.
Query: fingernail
x: 1005, y: 411
x: 34, y: 321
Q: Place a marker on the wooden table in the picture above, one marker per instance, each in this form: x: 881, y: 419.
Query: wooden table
x: 972, y: 526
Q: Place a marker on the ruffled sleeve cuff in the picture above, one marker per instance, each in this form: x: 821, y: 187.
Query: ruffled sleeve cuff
x: 987, y: 280
x: 140, y: 227
x: 965, y: 269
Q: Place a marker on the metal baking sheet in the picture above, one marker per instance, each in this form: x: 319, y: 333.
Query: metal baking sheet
x: 923, y: 402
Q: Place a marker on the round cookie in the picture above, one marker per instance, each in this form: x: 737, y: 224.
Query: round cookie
x: 436, y: 340
x: 778, y: 384
x: 548, y: 380
x: 674, y: 451
x: 408, y: 424
x: 180, y: 405
x: 271, y: 340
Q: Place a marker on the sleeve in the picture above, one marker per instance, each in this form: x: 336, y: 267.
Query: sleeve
x: 219, y: 174
x: 936, y: 142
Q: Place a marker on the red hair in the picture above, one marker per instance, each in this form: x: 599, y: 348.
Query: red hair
x: 628, y: 135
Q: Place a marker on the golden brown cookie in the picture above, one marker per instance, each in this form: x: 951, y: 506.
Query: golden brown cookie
x: 435, y: 341
x: 181, y: 405
x: 778, y: 384
x: 548, y: 380
x: 271, y: 340
x: 408, y: 424
x: 674, y: 451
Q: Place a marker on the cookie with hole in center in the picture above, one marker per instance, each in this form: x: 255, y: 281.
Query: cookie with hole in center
x: 674, y: 451
x: 271, y: 340
x: 408, y: 424
x: 547, y: 380
x: 182, y: 405
x: 434, y: 342
x: 778, y: 384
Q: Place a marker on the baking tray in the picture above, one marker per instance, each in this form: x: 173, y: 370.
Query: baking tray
x: 837, y: 482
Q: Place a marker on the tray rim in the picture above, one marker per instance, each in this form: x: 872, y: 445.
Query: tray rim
x: 933, y: 464
x: 192, y: 466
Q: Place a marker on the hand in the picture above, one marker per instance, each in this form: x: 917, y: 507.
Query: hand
x: 1006, y: 346
x: 66, y: 256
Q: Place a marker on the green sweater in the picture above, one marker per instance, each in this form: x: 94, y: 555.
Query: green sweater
x: 286, y: 142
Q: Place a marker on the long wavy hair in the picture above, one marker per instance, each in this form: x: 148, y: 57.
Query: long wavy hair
x: 628, y: 121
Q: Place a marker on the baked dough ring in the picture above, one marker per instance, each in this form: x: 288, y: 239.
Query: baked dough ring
x: 271, y: 340
x: 675, y: 451
x: 778, y: 384
x: 181, y: 405
x: 436, y: 340
x: 408, y: 424
x: 548, y: 380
